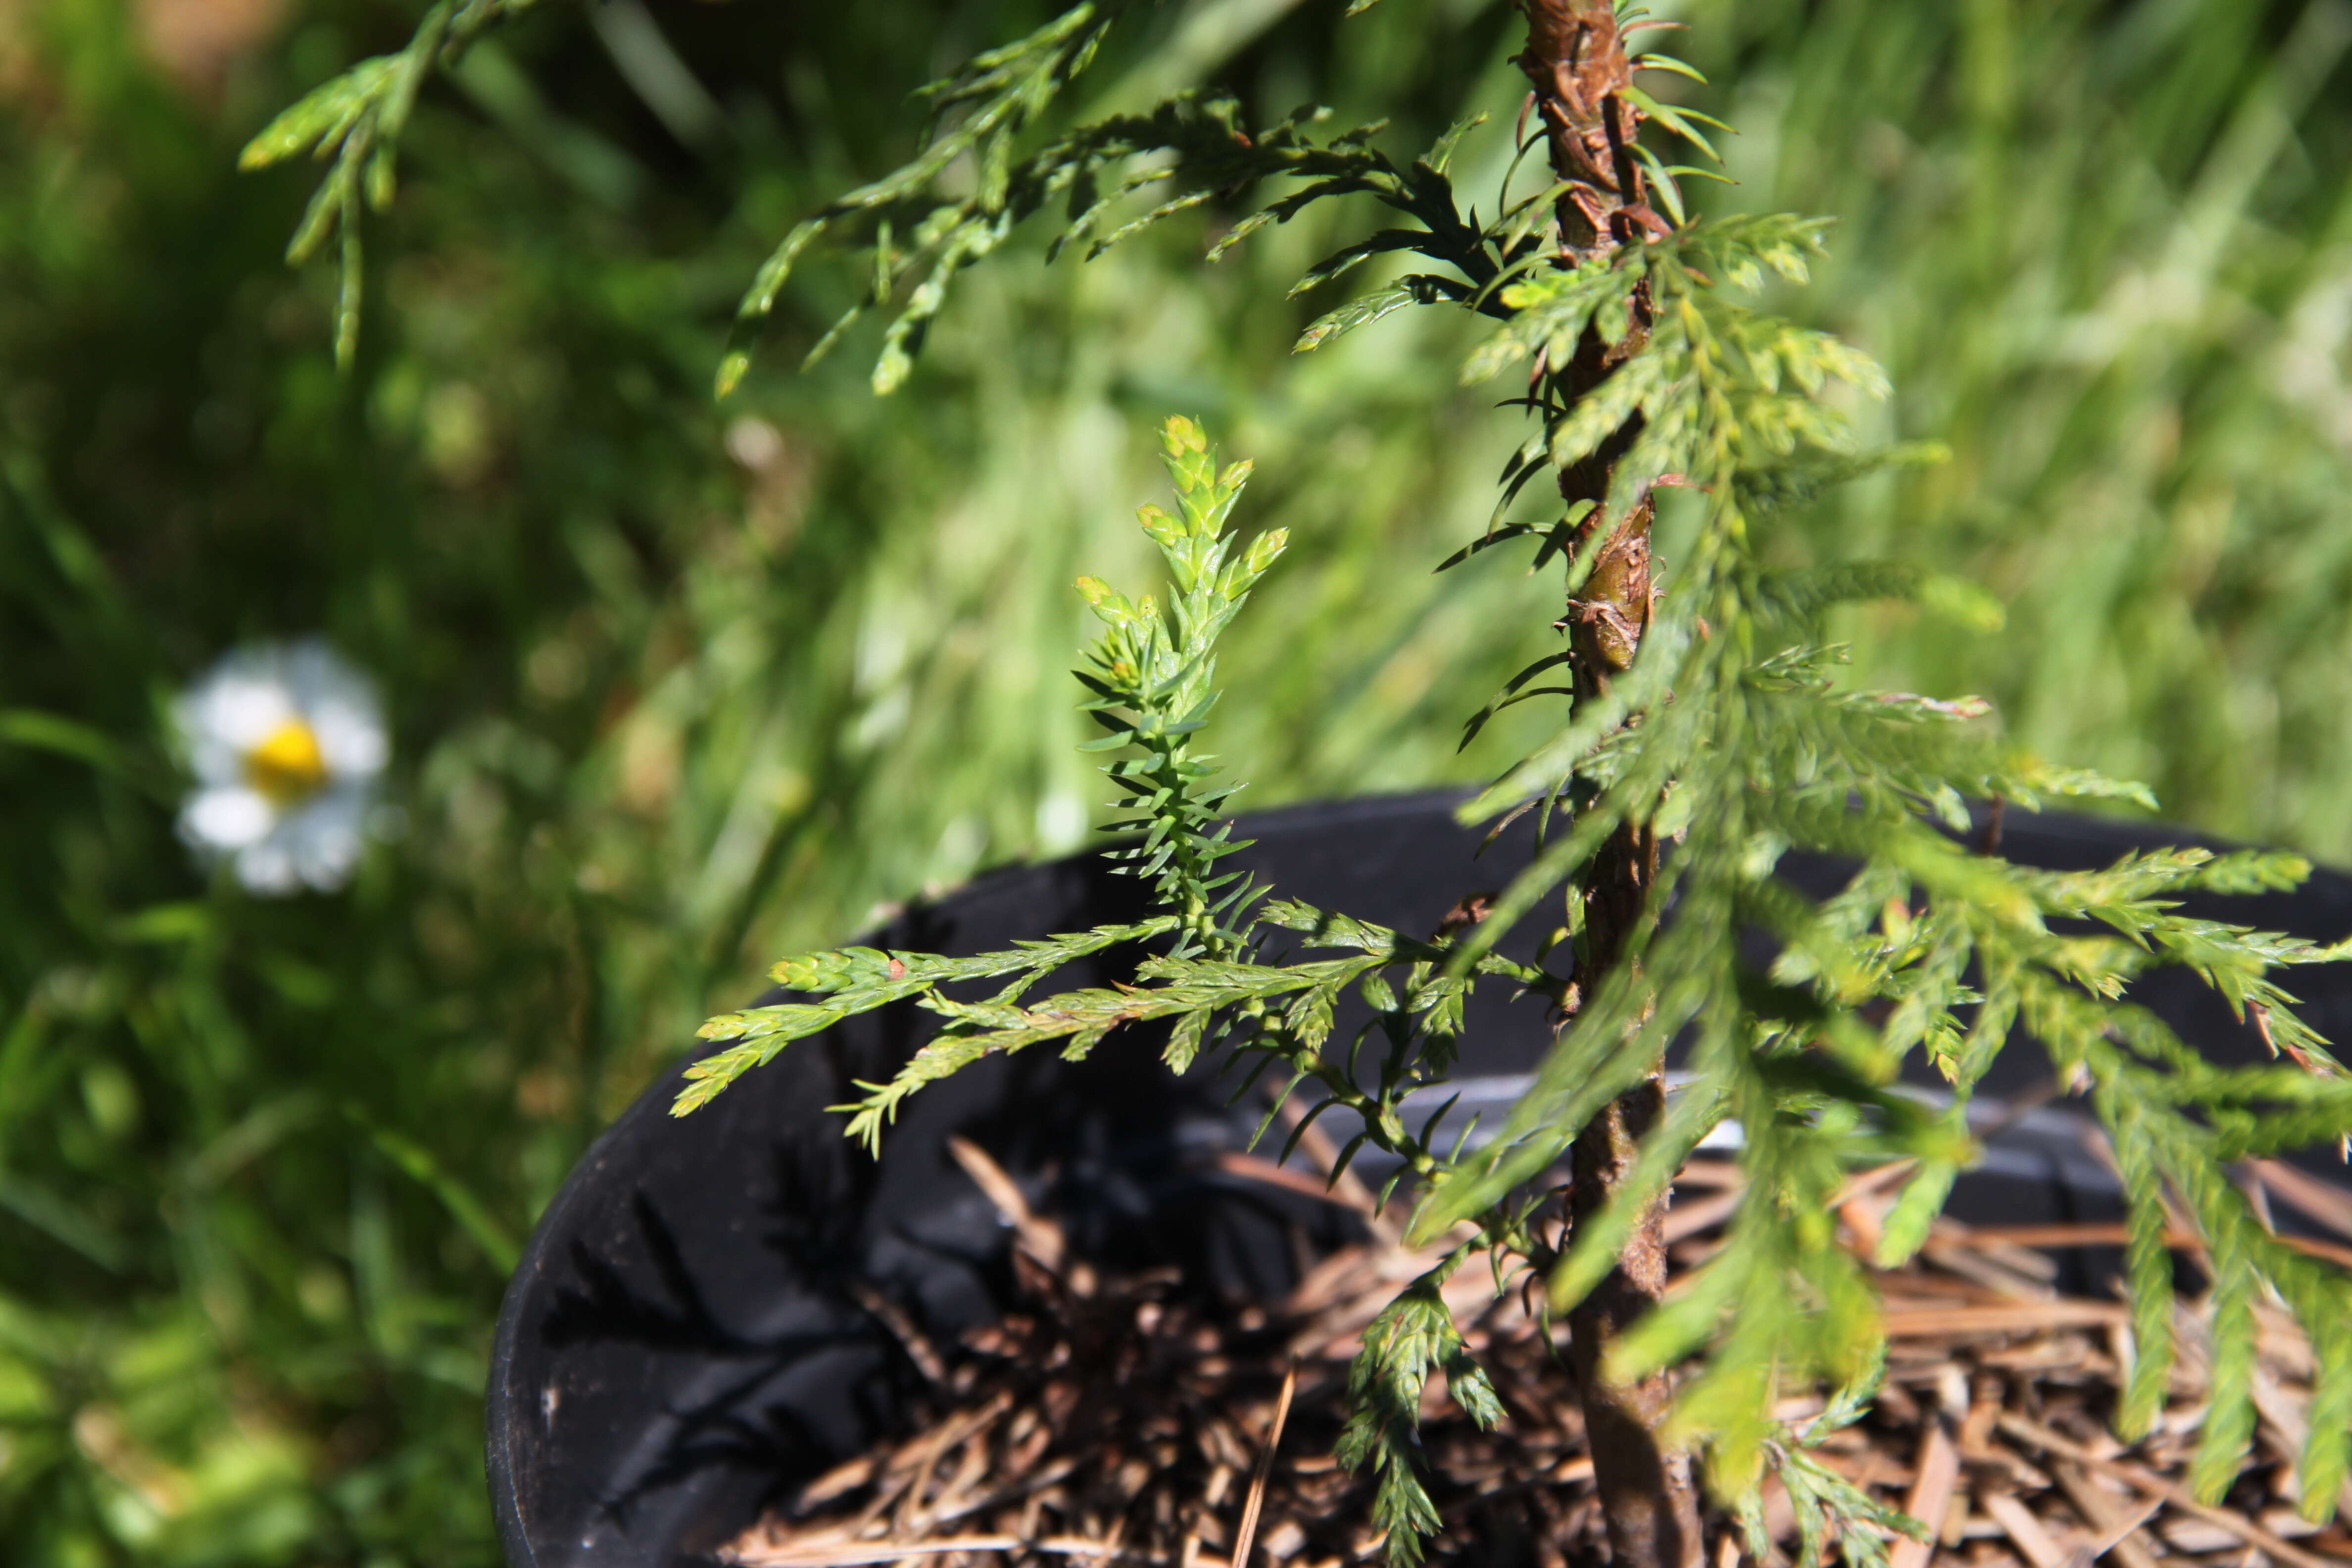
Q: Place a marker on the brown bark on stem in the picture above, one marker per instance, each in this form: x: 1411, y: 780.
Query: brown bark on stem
x: 1576, y: 60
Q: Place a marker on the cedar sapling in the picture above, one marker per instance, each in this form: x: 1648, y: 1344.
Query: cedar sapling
x: 1702, y: 714
x: 1575, y: 59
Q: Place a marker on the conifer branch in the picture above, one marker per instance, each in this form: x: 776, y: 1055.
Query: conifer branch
x: 356, y: 119
x: 1705, y: 734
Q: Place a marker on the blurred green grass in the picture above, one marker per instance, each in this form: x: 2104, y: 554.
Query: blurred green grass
x: 676, y: 688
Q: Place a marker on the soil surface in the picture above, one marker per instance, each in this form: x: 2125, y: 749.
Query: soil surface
x: 1116, y: 1420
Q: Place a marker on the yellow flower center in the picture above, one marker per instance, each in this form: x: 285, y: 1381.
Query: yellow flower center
x: 287, y: 766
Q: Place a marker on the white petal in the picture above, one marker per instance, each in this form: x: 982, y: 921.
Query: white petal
x: 240, y: 708
x: 316, y: 675
x: 214, y: 761
x: 267, y: 868
x: 304, y: 663
x: 328, y: 863
x: 334, y: 813
x: 323, y: 837
x: 231, y: 817
x: 341, y: 706
x: 350, y: 738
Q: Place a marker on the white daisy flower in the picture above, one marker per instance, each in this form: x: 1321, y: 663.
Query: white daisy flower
x: 287, y: 742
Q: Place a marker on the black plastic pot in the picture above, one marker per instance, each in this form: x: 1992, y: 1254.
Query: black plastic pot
x: 686, y: 1336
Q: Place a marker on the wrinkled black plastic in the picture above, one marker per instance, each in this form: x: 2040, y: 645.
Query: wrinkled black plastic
x: 687, y: 1336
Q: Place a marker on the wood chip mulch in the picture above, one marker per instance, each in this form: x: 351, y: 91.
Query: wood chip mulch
x: 1109, y: 1420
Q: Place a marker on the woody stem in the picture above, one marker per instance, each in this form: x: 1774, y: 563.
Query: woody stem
x: 1576, y: 60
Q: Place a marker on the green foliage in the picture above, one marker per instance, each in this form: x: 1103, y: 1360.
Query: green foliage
x: 1719, y: 388
x: 1149, y: 677
x: 1827, y: 1505
x: 860, y: 979
x: 1413, y: 1336
x: 1786, y: 762
x: 1152, y: 677
x: 2076, y: 234
x: 1195, y: 144
x: 1725, y: 729
x: 673, y: 693
x: 356, y: 119
x: 1000, y: 93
